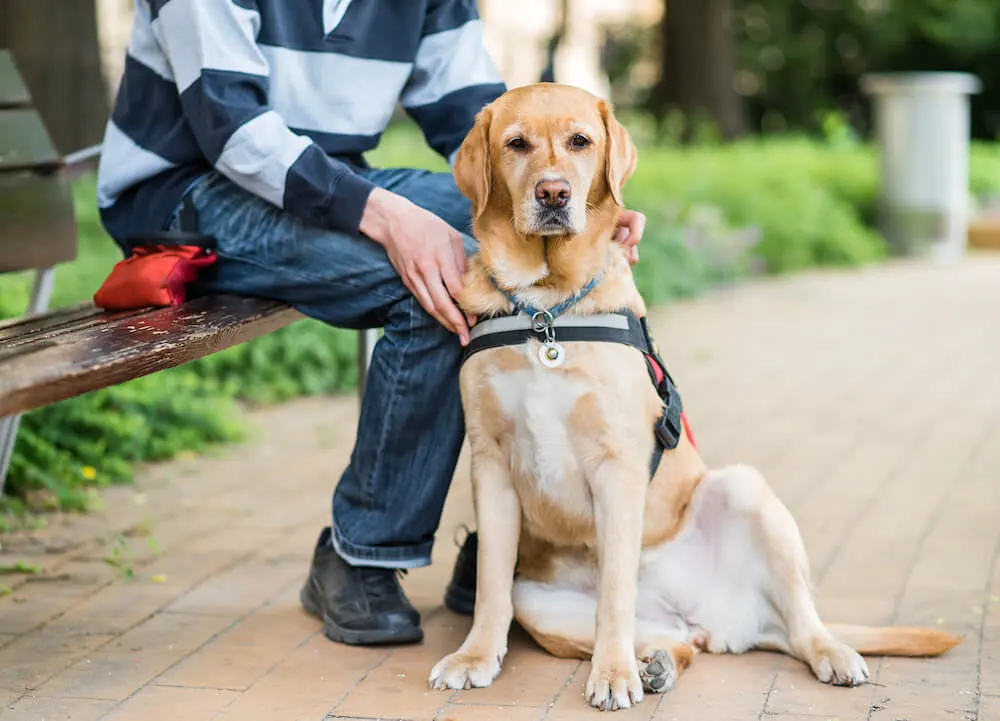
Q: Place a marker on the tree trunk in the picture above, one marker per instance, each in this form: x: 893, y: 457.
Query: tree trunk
x: 548, y: 74
x: 55, y: 45
x: 697, y: 67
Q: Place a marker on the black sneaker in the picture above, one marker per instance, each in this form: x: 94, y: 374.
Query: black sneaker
x: 359, y: 605
x: 460, y: 595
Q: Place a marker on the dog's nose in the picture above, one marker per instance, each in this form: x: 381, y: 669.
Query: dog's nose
x: 553, y: 193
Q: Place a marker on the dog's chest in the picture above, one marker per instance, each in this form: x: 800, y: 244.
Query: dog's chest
x: 539, y: 403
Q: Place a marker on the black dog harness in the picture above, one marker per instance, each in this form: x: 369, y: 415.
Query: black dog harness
x: 551, y: 328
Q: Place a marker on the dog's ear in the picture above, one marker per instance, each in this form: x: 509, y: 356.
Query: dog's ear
x: 620, y: 157
x: 472, y: 168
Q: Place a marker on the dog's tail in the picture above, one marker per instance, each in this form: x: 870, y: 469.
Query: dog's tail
x: 894, y: 640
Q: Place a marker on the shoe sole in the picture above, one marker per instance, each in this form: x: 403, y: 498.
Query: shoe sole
x: 460, y: 601
x: 352, y: 637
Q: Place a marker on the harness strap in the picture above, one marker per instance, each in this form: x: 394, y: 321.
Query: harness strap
x: 624, y: 327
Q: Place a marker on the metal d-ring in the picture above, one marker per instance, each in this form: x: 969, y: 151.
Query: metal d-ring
x: 541, y: 322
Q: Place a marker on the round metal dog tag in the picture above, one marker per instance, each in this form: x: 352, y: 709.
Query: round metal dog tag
x: 551, y: 355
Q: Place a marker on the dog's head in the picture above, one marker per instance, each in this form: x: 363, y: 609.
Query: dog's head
x: 545, y: 156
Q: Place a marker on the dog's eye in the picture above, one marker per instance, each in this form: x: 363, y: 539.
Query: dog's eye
x: 517, y: 143
x: 579, y: 141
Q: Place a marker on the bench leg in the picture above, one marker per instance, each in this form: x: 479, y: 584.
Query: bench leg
x: 41, y: 293
x: 366, y: 345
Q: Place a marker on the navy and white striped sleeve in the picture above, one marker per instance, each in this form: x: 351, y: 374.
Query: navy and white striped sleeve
x: 223, y: 81
x: 453, y: 76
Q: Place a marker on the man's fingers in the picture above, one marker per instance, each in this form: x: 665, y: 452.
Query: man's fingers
x: 424, y: 297
x: 459, y: 249
x: 447, y: 307
x: 636, y: 227
x: 452, y: 275
x: 631, y: 226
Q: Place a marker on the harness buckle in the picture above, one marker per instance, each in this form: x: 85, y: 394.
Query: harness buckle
x: 669, y: 428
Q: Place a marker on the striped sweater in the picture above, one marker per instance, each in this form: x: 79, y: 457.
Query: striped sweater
x: 283, y: 97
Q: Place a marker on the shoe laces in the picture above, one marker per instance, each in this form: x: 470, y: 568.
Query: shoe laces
x: 380, y: 582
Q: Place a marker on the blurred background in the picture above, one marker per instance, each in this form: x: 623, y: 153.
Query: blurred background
x: 757, y: 157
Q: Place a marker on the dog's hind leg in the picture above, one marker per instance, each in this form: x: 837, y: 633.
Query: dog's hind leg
x: 797, y: 628
x: 563, y: 621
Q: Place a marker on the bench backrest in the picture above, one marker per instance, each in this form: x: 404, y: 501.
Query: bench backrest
x: 37, y: 223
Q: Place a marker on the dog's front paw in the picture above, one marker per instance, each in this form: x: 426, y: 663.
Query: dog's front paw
x: 839, y: 664
x: 614, y: 687
x: 465, y: 670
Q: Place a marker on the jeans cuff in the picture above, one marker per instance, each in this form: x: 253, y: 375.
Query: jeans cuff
x: 396, y: 557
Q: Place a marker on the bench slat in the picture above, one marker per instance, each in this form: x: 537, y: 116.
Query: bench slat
x: 37, y: 223
x: 64, y: 354
x: 25, y: 142
x: 12, y: 89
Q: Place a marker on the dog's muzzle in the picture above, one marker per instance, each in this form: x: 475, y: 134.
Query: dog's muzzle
x: 552, y: 220
x: 552, y: 206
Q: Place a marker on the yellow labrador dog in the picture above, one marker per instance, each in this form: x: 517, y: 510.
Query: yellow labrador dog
x: 631, y: 563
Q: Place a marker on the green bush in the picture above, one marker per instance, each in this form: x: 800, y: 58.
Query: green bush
x: 813, y: 204
x: 810, y: 203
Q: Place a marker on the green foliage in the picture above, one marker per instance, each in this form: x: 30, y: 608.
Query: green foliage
x: 800, y: 58
x: 810, y: 203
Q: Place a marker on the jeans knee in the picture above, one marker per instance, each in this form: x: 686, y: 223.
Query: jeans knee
x: 408, y: 317
x: 470, y: 244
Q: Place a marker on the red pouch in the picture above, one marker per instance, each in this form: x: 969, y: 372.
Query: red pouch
x: 156, y: 274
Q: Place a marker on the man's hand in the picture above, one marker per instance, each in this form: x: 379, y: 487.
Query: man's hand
x: 631, y: 225
x: 426, y: 252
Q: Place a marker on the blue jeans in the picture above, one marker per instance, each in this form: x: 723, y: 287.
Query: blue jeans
x: 387, y: 505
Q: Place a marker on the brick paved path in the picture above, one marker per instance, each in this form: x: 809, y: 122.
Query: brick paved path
x: 871, y: 400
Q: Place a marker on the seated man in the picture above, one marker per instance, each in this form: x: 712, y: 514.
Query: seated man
x: 247, y: 120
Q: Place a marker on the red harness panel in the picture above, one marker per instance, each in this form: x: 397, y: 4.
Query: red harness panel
x: 658, y: 376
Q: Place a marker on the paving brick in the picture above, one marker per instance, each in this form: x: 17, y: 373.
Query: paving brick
x: 468, y: 712
x: 885, y: 540
x: 990, y: 669
x: 797, y: 691
x: 724, y: 687
x: 125, y: 603
x: 809, y: 717
x: 306, y: 684
x: 397, y: 688
x: 37, y: 708
x: 166, y: 631
x: 989, y: 709
x: 34, y: 658
x: 111, y: 675
x: 245, y: 651
x: 164, y: 703
x: 22, y: 612
x: 42, y: 598
x: 530, y: 677
x: 8, y: 698
x: 239, y: 589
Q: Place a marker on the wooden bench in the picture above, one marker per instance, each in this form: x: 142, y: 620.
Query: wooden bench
x: 49, y: 356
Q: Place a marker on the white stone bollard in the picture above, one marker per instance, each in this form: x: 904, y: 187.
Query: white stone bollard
x: 922, y: 131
